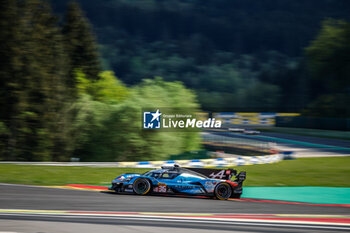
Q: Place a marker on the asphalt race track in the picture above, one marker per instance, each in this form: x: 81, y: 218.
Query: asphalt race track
x: 26, y: 197
x: 21, y: 197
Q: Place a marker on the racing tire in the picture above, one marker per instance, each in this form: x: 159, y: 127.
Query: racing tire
x: 142, y: 186
x: 223, y: 191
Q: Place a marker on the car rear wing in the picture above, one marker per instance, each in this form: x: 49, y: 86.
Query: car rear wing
x: 223, y: 174
x: 240, y: 177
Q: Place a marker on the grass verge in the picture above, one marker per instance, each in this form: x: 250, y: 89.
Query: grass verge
x: 333, y: 134
x: 331, y: 172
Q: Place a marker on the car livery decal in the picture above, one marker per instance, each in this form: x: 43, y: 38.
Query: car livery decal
x: 210, y: 185
x: 162, y: 188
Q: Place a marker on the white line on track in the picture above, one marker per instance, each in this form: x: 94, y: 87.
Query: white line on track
x: 186, y: 221
x: 115, y: 213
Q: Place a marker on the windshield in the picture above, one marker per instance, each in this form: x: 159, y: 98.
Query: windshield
x: 162, y: 175
x: 152, y: 174
x: 170, y: 175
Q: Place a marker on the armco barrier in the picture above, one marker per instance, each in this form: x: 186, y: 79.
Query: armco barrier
x: 219, y: 162
x: 250, y: 118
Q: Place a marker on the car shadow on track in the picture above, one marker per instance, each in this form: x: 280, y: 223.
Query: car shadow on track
x: 161, y: 195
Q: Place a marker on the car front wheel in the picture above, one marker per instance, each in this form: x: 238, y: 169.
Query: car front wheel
x: 142, y: 186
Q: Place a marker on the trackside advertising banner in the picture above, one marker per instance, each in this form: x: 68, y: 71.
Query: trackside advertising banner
x: 170, y: 119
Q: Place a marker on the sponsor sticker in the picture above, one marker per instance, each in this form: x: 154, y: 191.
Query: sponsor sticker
x: 162, y: 188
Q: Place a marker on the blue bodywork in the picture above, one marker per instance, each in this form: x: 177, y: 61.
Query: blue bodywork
x: 175, y: 181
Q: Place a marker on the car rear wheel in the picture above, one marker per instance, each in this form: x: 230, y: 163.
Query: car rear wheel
x: 142, y: 186
x: 223, y: 191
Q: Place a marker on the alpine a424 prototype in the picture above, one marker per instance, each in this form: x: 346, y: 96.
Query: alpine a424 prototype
x: 177, y: 180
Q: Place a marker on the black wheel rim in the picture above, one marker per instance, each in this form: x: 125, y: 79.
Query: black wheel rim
x: 223, y: 191
x: 141, y: 186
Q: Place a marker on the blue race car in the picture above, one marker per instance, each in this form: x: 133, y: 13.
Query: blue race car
x: 176, y: 180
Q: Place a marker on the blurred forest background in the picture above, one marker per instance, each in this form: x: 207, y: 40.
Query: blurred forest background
x: 61, y: 98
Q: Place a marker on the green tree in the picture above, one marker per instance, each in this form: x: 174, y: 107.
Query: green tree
x: 80, y: 45
x: 33, y: 81
x: 107, y: 88
x: 328, y: 58
x: 10, y: 79
x: 44, y: 73
x: 108, y: 126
